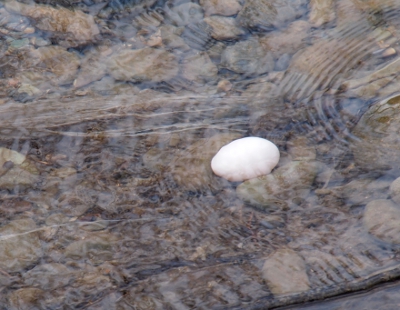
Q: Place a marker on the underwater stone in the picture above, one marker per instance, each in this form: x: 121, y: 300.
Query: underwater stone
x: 245, y: 159
x: 382, y: 220
x: 285, y: 273
x: 287, y: 184
x: 148, y: 64
x: 20, y: 246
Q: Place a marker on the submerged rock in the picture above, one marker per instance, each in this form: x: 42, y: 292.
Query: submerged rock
x: 19, y: 245
x: 267, y: 14
x: 198, y: 67
x: 147, y: 64
x: 277, y: 190
x: 285, y: 273
x: 382, y: 82
x: 56, y: 59
x: 27, y: 298
x: 382, y: 220
x: 289, y: 41
x: 247, y: 57
x: 79, y: 27
x: 377, y: 130
x: 224, y: 28
x: 221, y: 7
x: 16, y: 170
x: 321, y: 12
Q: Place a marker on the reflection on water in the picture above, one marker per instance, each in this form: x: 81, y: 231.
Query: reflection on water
x: 112, y: 110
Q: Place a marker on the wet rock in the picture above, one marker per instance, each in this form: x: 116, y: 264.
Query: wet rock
x: 321, y: 12
x: 224, y: 28
x: 247, y: 57
x: 266, y: 14
x: 56, y: 59
x: 16, y: 170
x: 221, y: 7
x: 146, y: 64
x: 285, y: 185
x: 198, y: 67
x: 285, y: 273
x: 170, y: 37
x: 382, y: 220
x: 282, y: 63
x: 93, y: 66
x: 97, y: 248
x: 79, y: 27
x: 191, y: 169
x: 39, y: 41
x: 19, y: 245
x: 224, y: 85
x: 26, y: 299
x: 288, y: 41
x: 34, y: 82
x: 378, y: 83
x: 358, y: 192
x: 48, y: 276
x: 378, y: 147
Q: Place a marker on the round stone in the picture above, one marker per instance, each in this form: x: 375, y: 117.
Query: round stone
x: 245, y: 159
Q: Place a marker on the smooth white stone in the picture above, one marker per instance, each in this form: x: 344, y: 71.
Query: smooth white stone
x: 245, y: 159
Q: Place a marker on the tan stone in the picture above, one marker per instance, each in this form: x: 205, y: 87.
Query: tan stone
x: 285, y: 273
x: 221, y: 7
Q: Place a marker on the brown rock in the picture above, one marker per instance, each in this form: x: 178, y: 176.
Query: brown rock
x: 56, y: 59
x: 285, y: 273
x: 80, y: 26
x: 224, y: 28
x: 321, y: 12
x: 147, y: 64
x: 221, y: 7
x: 382, y: 219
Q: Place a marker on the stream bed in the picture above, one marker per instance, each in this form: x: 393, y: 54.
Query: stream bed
x: 110, y: 114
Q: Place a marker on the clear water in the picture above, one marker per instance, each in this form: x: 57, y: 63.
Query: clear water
x: 118, y: 207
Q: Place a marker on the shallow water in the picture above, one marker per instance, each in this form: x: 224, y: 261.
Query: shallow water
x: 114, y: 111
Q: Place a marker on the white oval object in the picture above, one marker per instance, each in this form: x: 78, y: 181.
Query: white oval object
x: 245, y: 159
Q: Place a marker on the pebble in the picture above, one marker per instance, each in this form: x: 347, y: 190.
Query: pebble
x: 378, y: 145
x: 284, y: 186
x: 221, y: 7
x: 75, y: 23
x: 16, y: 170
x: 285, y: 273
x: 27, y: 298
x: 247, y: 57
x: 198, y: 67
x: 224, y: 28
x: 148, y: 64
x: 19, y: 249
x: 382, y: 220
x: 321, y: 12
